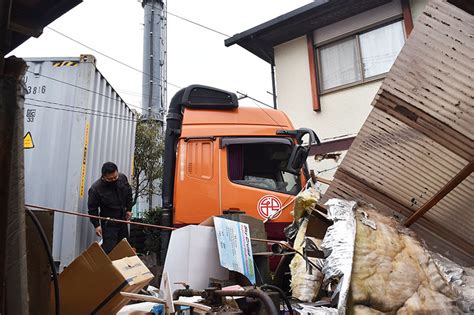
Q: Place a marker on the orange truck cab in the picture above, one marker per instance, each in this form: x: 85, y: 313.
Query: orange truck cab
x: 220, y: 158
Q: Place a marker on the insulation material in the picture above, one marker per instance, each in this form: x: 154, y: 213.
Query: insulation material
x: 338, y: 245
x: 460, y: 278
x: 304, y: 202
x: 393, y: 273
x: 305, y: 280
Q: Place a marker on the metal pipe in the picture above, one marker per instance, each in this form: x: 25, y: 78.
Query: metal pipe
x: 282, y: 294
x: 102, y: 218
x: 136, y: 223
x: 173, y: 131
x: 188, y: 293
x: 254, y: 293
x: 273, y: 86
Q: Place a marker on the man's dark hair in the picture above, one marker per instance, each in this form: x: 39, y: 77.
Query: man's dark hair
x: 108, y: 168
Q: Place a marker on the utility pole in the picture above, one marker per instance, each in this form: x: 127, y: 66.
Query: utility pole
x: 154, y: 69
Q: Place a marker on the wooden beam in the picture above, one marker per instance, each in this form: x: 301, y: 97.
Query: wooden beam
x: 313, y: 73
x: 323, y: 180
x: 142, y: 297
x: 407, y: 18
x: 7, y: 120
x: 13, y: 264
x: 331, y: 146
x: 453, y: 183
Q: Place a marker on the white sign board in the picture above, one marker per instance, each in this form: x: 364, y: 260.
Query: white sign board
x: 235, y: 248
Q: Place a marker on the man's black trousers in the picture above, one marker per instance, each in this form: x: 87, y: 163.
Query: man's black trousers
x: 112, y: 234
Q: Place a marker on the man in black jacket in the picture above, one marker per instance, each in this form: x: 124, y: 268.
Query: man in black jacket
x: 111, y: 194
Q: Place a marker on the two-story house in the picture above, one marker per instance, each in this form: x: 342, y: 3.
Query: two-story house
x: 328, y: 59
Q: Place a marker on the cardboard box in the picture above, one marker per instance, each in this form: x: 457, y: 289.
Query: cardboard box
x: 92, y: 283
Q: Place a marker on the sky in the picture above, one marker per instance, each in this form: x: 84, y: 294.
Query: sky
x: 195, y: 55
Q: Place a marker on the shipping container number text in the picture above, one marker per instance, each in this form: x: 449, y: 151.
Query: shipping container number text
x: 36, y: 89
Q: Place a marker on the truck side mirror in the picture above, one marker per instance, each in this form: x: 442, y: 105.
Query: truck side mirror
x: 299, y: 153
x: 297, y: 159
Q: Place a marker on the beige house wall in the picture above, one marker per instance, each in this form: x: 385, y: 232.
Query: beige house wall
x: 343, y: 111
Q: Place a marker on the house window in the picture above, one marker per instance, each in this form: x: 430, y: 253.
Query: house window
x: 359, y: 58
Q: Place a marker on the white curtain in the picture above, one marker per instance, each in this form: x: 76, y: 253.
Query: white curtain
x: 380, y: 47
x: 339, y: 64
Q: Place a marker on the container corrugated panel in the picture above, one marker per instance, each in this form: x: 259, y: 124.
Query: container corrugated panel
x: 76, y: 122
x: 420, y: 134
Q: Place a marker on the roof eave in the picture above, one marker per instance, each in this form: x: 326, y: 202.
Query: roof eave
x: 261, y: 39
x: 29, y: 18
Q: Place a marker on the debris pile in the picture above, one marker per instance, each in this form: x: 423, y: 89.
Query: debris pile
x: 358, y: 261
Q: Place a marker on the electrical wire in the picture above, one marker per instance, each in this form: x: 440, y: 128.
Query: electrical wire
x: 112, y: 58
x: 198, y: 24
x: 80, y: 112
x: 138, y: 70
x: 108, y: 114
x: 166, y: 11
x: 82, y: 88
x: 93, y: 111
x: 128, y: 104
x: 253, y: 99
x: 128, y: 92
x: 91, y: 91
x: 45, y: 242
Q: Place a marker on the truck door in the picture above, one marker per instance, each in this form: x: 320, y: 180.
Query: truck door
x: 196, y: 195
x: 252, y: 179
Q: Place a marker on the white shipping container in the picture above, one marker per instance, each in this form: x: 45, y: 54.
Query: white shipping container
x: 74, y: 122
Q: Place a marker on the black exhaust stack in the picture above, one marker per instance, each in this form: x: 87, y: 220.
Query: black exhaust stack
x: 194, y: 96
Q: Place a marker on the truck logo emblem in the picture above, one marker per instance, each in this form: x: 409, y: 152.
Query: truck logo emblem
x: 268, y: 205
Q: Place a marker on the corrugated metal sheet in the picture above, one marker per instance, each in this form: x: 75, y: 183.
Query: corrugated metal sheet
x: 420, y: 134
x: 77, y: 122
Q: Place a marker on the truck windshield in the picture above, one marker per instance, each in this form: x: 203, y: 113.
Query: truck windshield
x: 260, y: 165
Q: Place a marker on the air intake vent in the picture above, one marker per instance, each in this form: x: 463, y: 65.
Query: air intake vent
x: 205, y: 97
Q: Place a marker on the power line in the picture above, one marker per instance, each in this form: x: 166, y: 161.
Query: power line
x: 75, y: 107
x: 128, y: 92
x: 138, y: 70
x: 191, y: 21
x: 220, y: 33
x: 198, y: 24
x: 85, y: 89
x: 263, y: 110
x: 111, y: 58
x: 253, y: 99
x: 81, y: 112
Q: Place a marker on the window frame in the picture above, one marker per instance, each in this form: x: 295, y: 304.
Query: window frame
x: 356, y: 36
x: 226, y: 141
